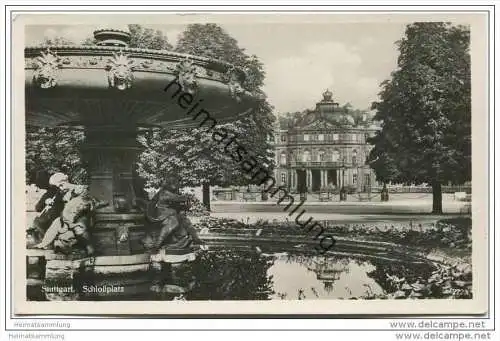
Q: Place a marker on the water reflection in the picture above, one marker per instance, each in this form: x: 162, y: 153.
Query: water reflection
x: 313, y: 277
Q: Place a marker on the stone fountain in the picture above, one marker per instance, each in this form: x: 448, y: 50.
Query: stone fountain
x: 111, y: 92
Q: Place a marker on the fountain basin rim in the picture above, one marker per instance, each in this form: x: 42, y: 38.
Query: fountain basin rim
x: 34, y: 50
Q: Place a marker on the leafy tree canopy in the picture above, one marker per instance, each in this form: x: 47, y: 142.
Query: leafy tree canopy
x: 425, y: 109
x: 54, y: 150
x: 53, y: 41
x: 148, y: 38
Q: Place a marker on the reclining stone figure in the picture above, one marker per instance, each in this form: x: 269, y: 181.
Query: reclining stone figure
x: 49, y: 207
x: 72, y: 227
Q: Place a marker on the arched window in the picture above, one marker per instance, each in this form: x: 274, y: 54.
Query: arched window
x: 283, y: 158
x: 306, y: 157
x: 335, y: 156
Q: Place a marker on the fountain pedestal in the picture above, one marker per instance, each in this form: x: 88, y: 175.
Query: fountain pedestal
x: 110, y: 153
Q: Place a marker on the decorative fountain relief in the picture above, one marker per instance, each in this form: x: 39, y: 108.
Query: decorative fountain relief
x: 111, y: 91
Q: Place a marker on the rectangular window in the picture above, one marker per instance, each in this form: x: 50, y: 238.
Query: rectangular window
x: 306, y: 137
x: 321, y: 137
x: 335, y: 137
x: 283, y: 178
x: 283, y: 138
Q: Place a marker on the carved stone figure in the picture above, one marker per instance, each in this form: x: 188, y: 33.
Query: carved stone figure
x: 72, y: 227
x: 168, y: 210
x: 49, y: 208
x: 186, y: 74
x: 120, y: 69
x: 45, y: 75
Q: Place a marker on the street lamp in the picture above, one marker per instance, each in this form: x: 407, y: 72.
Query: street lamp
x: 343, y: 194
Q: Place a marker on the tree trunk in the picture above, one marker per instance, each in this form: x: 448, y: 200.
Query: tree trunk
x: 206, y: 195
x: 437, y: 198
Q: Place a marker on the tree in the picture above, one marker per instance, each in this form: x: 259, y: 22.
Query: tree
x: 425, y: 110
x: 211, y: 41
x: 57, y: 40
x: 54, y: 150
x: 198, y: 161
x: 147, y: 38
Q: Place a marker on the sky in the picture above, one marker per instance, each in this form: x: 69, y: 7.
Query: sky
x: 301, y: 60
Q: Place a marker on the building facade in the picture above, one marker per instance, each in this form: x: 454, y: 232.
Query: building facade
x: 324, y: 148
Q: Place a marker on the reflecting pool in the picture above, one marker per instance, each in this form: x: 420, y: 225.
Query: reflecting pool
x: 244, y: 273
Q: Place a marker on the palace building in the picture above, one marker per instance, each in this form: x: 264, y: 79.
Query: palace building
x: 324, y: 148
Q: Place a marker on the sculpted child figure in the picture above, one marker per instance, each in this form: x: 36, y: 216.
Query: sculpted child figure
x: 49, y: 208
x: 72, y: 226
x: 168, y: 209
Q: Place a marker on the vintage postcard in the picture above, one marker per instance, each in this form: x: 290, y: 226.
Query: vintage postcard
x: 250, y: 163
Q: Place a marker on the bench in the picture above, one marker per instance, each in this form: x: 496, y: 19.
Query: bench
x: 324, y: 196
x: 364, y: 198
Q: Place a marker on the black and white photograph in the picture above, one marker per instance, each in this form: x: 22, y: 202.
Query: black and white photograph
x: 250, y: 158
